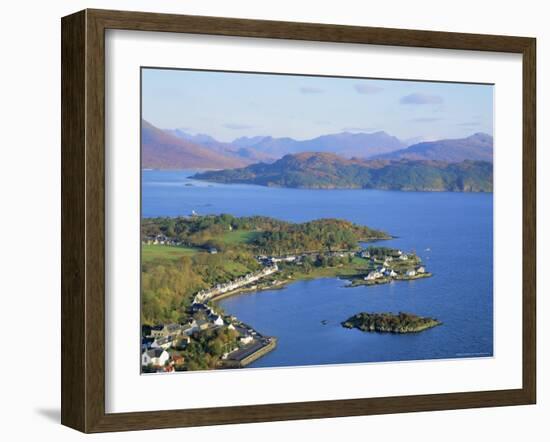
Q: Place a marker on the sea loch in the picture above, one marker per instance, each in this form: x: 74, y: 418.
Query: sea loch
x: 451, y: 232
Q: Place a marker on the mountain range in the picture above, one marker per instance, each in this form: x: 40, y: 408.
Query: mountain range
x: 347, y: 144
x: 178, y: 149
x: 316, y: 170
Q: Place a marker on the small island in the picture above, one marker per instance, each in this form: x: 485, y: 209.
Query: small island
x: 390, y: 323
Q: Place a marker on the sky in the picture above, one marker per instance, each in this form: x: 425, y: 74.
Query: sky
x: 228, y: 105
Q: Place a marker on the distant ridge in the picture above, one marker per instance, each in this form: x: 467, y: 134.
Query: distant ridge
x: 478, y: 147
x: 347, y: 144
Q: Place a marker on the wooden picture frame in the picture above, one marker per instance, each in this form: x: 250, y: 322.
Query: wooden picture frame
x: 83, y: 220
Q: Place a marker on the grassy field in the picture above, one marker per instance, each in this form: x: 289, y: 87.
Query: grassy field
x: 238, y: 237
x: 150, y: 252
x: 358, y: 266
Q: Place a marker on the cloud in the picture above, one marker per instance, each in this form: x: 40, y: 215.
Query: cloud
x: 236, y: 126
x: 418, y: 98
x: 425, y: 120
x: 367, y: 89
x: 311, y: 90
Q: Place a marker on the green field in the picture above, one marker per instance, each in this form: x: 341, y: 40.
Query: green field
x: 238, y: 237
x: 152, y: 252
x: 358, y: 266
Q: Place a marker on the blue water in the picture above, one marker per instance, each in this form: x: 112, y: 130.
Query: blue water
x: 451, y: 232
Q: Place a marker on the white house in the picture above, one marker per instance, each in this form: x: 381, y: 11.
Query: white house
x: 421, y: 269
x: 246, y: 339
x: 217, y: 320
x: 411, y: 272
x: 156, y: 356
x: 372, y: 276
x: 364, y: 254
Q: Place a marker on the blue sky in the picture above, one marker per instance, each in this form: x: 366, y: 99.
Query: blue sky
x: 229, y: 105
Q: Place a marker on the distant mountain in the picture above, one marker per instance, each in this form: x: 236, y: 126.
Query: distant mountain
x: 202, y: 139
x: 415, y: 140
x: 477, y: 147
x: 346, y: 144
x: 161, y: 150
x: 320, y: 170
x: 243, y: 153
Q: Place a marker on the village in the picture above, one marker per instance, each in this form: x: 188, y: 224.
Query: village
x: 162, y: 345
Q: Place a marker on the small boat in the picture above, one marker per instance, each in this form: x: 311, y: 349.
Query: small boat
x: 324, y: 322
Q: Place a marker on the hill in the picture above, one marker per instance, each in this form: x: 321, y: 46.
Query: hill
x: 161, y: 150
x: 328, y: 171
x: 478, y: 147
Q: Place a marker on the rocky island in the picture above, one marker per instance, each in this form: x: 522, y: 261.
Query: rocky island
x: 390, y: 323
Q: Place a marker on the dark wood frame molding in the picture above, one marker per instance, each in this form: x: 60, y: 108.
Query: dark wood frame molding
x: 83, y: 217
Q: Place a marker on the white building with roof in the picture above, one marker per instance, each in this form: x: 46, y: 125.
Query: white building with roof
x: 154, y: 356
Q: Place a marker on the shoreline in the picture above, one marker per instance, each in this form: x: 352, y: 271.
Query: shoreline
x: 282, y: 284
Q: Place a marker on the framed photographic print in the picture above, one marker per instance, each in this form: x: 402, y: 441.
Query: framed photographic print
x: 267, y: 220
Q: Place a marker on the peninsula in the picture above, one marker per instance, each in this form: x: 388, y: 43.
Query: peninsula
x: 316, y: 170
x: 191, y: 262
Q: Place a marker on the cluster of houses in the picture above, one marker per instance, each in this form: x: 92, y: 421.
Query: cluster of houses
x: 298, y: 259
x: 161, y: 239
x: 390, y: 256
x: 383, y: 272
x: 384, y: 263
x: 163, y: 337
x: 218, y: 289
